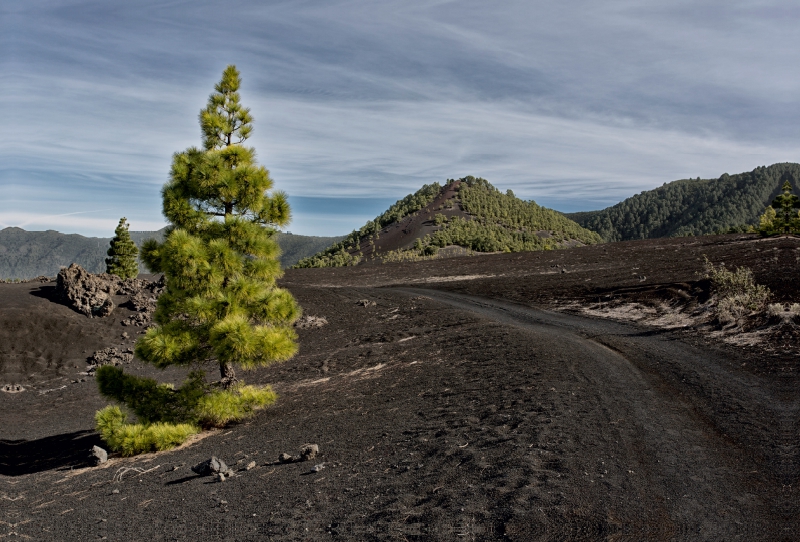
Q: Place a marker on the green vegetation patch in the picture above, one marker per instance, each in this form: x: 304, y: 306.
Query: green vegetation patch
x: 496, y: 222
x: 691, y: 206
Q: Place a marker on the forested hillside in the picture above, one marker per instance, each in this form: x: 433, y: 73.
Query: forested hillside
x: 467, y: 214
x: 692, y: 206
x: 27, y: 254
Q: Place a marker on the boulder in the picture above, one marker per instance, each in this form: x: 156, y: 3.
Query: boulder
x: 213, y: 466
x: 87, y: 293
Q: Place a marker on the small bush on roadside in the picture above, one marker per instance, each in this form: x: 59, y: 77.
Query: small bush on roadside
x: 738, y: 296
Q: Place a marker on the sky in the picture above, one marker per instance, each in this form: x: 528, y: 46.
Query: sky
x: 576, y: 104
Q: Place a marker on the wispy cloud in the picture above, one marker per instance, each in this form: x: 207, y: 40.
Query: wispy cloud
x: 577, y: 104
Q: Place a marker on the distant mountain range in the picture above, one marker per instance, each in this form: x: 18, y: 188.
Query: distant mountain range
x: 28, y: 254
x: 462, y: 216
x: 692, y: 206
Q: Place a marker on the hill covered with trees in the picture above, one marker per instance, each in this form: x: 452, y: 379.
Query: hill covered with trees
x: 28, y: 254
x: 692, y: 206
x: 461, y: 216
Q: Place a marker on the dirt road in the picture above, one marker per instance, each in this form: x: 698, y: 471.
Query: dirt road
x: 682, y: 436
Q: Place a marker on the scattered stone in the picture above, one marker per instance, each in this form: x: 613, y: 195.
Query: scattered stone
x: 12, y: 388
x: 86, y: 293
x: 365, y: 303
x: 250, y: 465
x: 317, y: 468
x: 124, y: 334
x: 99, y: 455
x: 220, y: 477
x: 108, y: 356
x: 309, y: 322
x: 309, y: 451
x: 115, y: 491
x: 138, y: 319
x: 285, y: 458
x: 212, y: 466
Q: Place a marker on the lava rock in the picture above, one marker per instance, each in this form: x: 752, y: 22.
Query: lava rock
x: 310, y: 322
x: 85, y: 292
x: 285, y: 458
x: 107, y: 356
x: 309, y: 451
x: 211, y: 467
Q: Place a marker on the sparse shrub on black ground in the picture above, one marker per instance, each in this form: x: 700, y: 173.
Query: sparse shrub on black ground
x: 737, y: 295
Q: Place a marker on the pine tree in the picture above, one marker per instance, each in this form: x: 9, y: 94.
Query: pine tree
x: 220, y: 258
x: 221, y: 303
x: 122, y: 254
x: 781, y: 216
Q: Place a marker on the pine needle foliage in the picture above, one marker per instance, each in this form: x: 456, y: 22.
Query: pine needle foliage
x: 232, y: 405
x: 151, y: 401
x: 122, y: 253
x: 137, y: 438
x: 220, y: 256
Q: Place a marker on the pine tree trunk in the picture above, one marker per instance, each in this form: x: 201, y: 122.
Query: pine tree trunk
x: 227, y: 375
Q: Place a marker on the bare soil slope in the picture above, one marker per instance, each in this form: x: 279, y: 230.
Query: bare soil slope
x: 451, y: 399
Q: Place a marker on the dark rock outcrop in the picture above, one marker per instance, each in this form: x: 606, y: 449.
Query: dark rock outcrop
x: 212, y: 466
x: 108, y: 356
x: 87, y: 293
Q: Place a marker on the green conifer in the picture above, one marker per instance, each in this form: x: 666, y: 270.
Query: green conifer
x: 122, y: 254
x: 782, y: 215
x: 221, y: 303
x: 220, y: 258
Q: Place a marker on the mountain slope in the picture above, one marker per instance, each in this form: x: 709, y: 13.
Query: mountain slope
x: 27, y: 254
x: 464, y: 215
x: 691, y: 206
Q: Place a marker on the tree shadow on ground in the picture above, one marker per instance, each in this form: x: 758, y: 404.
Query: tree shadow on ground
x: 20, y: 457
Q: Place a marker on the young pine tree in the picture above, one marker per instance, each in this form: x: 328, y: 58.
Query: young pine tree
x: 781, y: 216
x: 221, y: 303
x: 122, y: 254
x: 220, y: 258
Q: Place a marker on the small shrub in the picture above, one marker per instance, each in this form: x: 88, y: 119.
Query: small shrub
x: 232, y: 405
x: 136, y: 438
x: 738, y: 296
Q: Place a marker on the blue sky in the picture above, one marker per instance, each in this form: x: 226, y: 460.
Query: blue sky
x: 577, y: 104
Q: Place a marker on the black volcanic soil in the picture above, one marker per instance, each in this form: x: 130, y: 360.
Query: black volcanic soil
x: 465, y: 404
